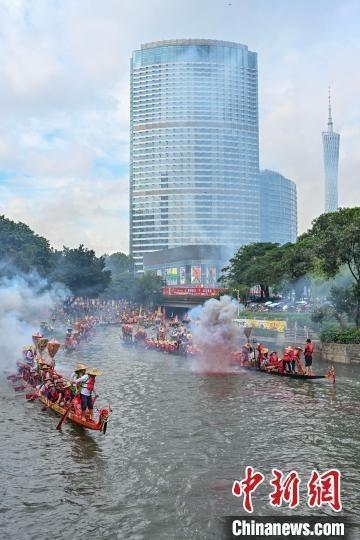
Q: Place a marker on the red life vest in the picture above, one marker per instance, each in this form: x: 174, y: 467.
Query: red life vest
x: 309, y: 349
x: 90, y: 383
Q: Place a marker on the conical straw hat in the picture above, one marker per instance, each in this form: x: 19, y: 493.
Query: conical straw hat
x: 93, y: 371
x: 80, y: 367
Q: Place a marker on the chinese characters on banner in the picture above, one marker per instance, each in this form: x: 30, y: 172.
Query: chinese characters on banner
x: 322, y: 489
x: 279, y: 326
x: 192, y: 291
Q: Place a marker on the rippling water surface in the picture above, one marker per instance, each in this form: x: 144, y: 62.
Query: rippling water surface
x: 175, y: 442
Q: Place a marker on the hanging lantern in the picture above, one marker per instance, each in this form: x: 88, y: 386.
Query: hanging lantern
x: 35, y: 339
x: 53, y: 347
x: 42, y: 343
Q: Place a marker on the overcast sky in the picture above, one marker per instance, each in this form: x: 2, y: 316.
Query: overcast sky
x: 64, y: 101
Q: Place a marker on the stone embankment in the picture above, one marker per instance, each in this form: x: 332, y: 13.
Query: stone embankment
x: 341, y: 353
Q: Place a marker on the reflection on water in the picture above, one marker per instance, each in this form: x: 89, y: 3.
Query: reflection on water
x: 176, y: 441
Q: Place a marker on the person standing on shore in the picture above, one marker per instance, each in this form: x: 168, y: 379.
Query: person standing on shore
x: 308, y: 355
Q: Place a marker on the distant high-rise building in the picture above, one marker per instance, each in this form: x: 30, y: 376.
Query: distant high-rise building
x: 331, y: 143
x: 278, y: 201
x: 194, y: 158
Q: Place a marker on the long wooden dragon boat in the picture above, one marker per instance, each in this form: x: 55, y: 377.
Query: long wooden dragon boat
x: 299, y: 376
x: 99, y: 425
x: 23, y: 384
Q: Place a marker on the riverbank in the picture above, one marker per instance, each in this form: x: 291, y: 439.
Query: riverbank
x: 332, y: 353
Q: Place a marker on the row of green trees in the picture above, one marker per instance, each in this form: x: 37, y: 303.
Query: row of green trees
x: 79, y: 269
x: 331, y: 248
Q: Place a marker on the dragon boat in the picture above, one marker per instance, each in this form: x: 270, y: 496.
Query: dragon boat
x: 28, y: 377
x: 99, y: 425
x: 299, y: 376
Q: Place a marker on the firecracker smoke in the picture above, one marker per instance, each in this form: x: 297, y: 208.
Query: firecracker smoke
x: 215, y: 334
x: 25, y: 301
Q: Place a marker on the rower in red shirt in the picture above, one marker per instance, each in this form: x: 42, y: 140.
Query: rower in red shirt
x: 308, y: 354
x: 275, y: 362
x: 296, y: 359
x: 287, y: 359
x: 274, y: 359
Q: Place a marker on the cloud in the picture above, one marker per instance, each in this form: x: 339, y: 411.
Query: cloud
x: 92, y: 212
x: 64, y: 101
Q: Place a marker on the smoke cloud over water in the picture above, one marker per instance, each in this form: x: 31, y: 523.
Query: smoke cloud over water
x: 215, y: 334
x: 25, y: 301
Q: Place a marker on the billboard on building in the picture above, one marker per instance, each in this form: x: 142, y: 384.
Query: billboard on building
x: 211, y: 275
x: 196, y: 274
x: 171, y: 276
x: 182, y: 275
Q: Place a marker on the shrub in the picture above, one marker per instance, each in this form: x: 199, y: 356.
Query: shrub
x: 337, y: 335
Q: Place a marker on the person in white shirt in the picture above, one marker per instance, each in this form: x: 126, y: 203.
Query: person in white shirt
x: 79, y: 371
x: 87, y: 390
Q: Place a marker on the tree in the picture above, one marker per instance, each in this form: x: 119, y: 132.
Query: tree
x: 254, y: 264
x: 124, y: 283
x: 298, y: 262
x: 22, y: 248
x: 119, y: 263
x: 150, y: 288
x: 123, y: 286
x: 337, y: 238
x: 82, y: 271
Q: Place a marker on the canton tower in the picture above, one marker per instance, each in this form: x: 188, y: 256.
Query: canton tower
x: 331, y: 142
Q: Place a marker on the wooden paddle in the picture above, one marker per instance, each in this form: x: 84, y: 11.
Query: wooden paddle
x: 66, y: 414
x: 31, y: 397
x: 20, y: 388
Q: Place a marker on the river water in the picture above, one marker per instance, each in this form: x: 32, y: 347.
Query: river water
x: 176, y: 441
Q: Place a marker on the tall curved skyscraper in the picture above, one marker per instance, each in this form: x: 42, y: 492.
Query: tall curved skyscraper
x: 194, y: 159
x: 331, y: 143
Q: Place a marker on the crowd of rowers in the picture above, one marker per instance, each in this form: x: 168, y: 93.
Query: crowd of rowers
x: 179, y: 341
x: 290, y: 361
x: 79, y: 390
x: 81, y: 330
x: 105, y: 312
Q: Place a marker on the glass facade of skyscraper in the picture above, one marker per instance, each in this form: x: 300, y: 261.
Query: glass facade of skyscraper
x: 194, y: 159
x: 278, y: 200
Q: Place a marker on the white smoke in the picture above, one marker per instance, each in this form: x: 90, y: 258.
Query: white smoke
x: 215, y: 334
x: 25, y: 301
